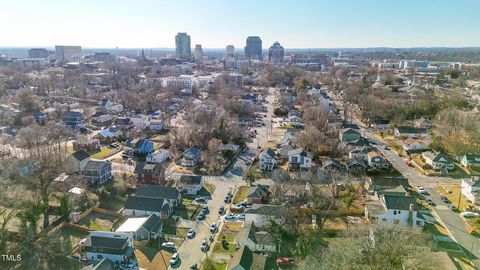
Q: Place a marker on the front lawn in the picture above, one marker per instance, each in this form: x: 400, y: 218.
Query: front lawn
x: 452, y: 192
x: 105, y: 152
x: 98, y: 222
x: 225, y: 247
x: 241, y: 194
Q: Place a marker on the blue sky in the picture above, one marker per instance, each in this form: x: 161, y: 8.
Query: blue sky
x: 216, y: 23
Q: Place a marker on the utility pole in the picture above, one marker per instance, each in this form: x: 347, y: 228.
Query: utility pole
x: 459, y: 198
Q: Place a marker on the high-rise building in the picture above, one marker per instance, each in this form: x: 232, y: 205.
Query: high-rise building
x: 230, y: 50
x: 253, y: 49
x: 275, y: 53
x: 67, y: 52
x: 182, y: 46
x: 198, y: 53
x: 38, y: 53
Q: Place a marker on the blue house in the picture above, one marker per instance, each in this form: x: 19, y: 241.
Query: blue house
x: 73, y: 119
x: 40, y: 117
x: 138, y: 146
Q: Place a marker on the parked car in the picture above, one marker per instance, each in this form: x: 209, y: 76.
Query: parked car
x: 221, y: 210
x: 200, y: 200
x: 213, y: 228
x: 205, y: 209
x: 240, y: 206
x: 241, y: 216
x: 227, y: 199
x: 194, y: 266
x: 174, y: 259
x: 230, y: 216
x: 421, y: 190
x: 168, y: 245
x: 191, y: 233
x: 387, y: 148
x: 445, y: 200
x: 285, y: 261
x: 469, y: 214
x: 430, y: 202
x: 204, y: 246
x: 201, y: 216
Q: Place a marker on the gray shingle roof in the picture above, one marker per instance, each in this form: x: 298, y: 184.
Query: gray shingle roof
x: 81, y: 155
x: 400, y: 202
x: 159, y: 192
x: 108, y: 242
x: 144, y: 203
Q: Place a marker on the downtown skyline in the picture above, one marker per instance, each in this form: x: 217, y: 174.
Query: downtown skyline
x: 214, y: 24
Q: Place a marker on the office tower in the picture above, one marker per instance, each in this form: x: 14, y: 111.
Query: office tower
x: 230, y: 50
x: 198, y: 53
x: 275, y: 53
x: 253, y: 49
x: 67, y: 52
x: 182, y: 46
x: 38, y: 53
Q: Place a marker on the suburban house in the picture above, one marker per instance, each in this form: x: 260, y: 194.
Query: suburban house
x: 97, y: 172
x: 378, y: 184
x: 354, y: 164
x: 158, y: 156
x: 360, y: 143
x: 73, y: 119
x: 257, y: 194
x: 156, y: 125
x: 102, y: 119
x: 299, y: 159
x: 245, y: 259
x: 377, y: 161
x: 438, y: 161
x: 110, y: 134
x: 170, y: 194
x: 138, y: 147
x: 471, y: 189
x: 140, y: 121
x: 190, y: 184
x: 423, y: 123
x: 79, y: 160
x: 411, y: 144
x: 40, y: 117
x: 140, y: 206
x: 191, y: 157
x: 261, y: 213
x: 406, y: 131
x: 360, y: 152
x: 123, y: 123
x: 116, y: 247
x: 331, y: 165
x: 380, y: 124
x: 150, y: 173
x: 256, y: 239
x: 282, y: 150
x: 393, y: 209
x: 349, y: 135
x: 267, y: 160
x: 87, y: 145
x: 142, y: 228
x: 470, y: 160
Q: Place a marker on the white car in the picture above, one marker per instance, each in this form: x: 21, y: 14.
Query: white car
x: 191, y: 233
x: 174, y: 259
x: 421, y: 190
x: 204, y: 245
x: 213, y: 228
x: 469, y: 214
x: 168, y: 245
x: 241, y: 216
x: 230, y: 216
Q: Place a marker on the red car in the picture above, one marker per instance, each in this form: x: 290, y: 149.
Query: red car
x: 285, y: 261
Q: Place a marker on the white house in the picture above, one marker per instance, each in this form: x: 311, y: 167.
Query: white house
x: 394, y: 209
x: 471, y: 189
x: 438, y: 161
x: 413, y: 132
x: 156, y: 125
x: 190, y: 184
x: 259, y: 214
x: 376, y: 161
x: 299, y: 159
x: 411, y: 144
x: 142, y: 228
x: 117, y: 247
x: 140, y: 121
x: 139, y: 206
x: 267, y: 160
x: 158, y: 156
x: 255, y: 239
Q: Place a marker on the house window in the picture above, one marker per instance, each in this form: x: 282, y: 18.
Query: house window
x: 394, y: 212
x: 396, y: 221
x: 99, y: 256
x: 399, y: 212
x: 384, y: 219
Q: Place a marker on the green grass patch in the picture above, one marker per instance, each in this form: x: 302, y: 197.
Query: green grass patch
x: 225, y: 247
x: 105, y: 152
x: 241, y: 194
x: 445, y: 245
x: 227, y: 236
